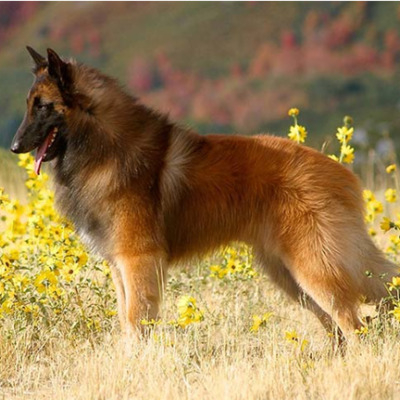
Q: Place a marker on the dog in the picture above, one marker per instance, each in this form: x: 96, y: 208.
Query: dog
x: 147, y: 193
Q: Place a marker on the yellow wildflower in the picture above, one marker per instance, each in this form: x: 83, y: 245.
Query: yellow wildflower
x: 3, y: 197
x: 188, y: 311
x: 395, y: 239
x: 31, y: 309
x: 186, y: 302
x: 391, y: 195
x: 82, y: 258
x: 145, y: 322
x: 217, y: 271
x: 19, y: 281
x: 372, y: 232
x: 232, y: 252
x: 395, y: 284
x: 69, y: 271
x: 7, y: 306
x: 232, y: 267
x: 386, y: 224
x: 25, y: 160
x: 391, y: 168
x: 293, y: 112
x: 260, y: 321
x: 362, y: 331
x: 395, y: 243
x: 396, y: 281
x: 93, y: 324
x: 347, y: 120
x: 304, y: 343
x: 292, y: 336
x: 368, y: 195
x: 45, y: 280
x: 375, y: 207
x: 347, y: 154
x: 396, y: 313
x: 111, y: 313
x: 344, y: 134
x: 333, y: 157
x: 298, y: 133
x: 106, y: 269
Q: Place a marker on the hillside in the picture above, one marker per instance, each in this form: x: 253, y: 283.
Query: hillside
x: 222, y: 67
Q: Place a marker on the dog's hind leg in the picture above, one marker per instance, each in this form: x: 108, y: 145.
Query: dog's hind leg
x: 331, y: 264
x: 275, y: 268
x: 330, y: 285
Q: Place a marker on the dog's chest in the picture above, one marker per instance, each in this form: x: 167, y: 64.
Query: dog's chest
x: 91, y: 231
x: 86, y: 217
x: 88, y: 239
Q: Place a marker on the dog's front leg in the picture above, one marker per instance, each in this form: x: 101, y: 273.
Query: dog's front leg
x: 120, y: 292
x: 142, y: 277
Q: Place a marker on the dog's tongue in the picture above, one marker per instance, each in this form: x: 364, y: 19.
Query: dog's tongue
x: 41, y: 151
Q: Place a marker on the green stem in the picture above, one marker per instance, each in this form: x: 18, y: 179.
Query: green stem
x: 341, y: 151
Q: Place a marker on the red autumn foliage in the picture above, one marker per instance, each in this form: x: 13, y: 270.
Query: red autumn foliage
x: 326, y: 43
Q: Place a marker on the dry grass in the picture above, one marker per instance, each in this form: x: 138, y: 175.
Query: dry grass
x: 218, y: 358
x: 158, y: 372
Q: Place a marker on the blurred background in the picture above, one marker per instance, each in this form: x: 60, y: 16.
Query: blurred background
x: 225, y: 67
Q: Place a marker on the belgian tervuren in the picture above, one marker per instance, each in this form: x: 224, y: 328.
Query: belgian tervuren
x: 147, y: 193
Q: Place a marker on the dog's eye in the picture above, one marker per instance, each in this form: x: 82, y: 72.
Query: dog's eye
x: 42, y: 106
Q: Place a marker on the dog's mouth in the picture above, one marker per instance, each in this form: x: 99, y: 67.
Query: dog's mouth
x: 42, y: 152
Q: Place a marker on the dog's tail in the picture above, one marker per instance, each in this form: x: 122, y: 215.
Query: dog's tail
x: 379, y: 271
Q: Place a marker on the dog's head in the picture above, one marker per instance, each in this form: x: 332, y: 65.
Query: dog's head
x: 44, y: 125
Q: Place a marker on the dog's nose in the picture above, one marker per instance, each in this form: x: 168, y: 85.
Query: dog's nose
x: 15, y: 147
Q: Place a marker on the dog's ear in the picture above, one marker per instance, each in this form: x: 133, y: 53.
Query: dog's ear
x: 59, y: 70
x: 40, y: 61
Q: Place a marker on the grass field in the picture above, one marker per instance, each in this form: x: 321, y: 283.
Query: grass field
x: 219, y: 358
x: 63, y: 350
